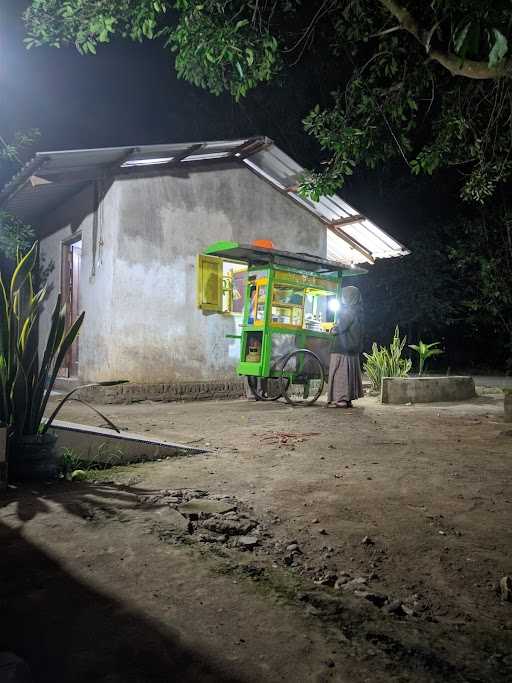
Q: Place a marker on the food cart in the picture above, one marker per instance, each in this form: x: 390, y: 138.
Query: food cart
x: 289, y: 307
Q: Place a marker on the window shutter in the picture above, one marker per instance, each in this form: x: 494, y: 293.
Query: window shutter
x: 209, y: 283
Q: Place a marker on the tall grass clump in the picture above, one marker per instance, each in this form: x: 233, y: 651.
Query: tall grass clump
x: 386, y: 361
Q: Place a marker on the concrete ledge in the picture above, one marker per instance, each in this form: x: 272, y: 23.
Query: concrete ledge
x: 402, y: 390
x: 175, y: 391
x: 111, y: 448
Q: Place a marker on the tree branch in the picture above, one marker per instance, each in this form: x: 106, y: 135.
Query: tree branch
x: 404, y: 17
x: 457, y: 66
x: 470, y: 68
x: 387, y: 31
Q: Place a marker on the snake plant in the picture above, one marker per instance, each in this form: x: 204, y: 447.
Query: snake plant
x: 386, y: 361
x: 26, y: 381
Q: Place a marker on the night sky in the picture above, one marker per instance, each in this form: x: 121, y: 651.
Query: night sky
x: 129, y: 94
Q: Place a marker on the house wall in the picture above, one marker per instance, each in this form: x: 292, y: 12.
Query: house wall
x: 164, y: 222
x: 142, y: 323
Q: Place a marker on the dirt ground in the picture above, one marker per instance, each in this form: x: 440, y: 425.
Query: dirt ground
x: 407, y: 510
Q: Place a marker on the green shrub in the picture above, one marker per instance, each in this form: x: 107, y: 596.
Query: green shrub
x: 68, y: 462
x: 386, y: 362
x: 78, y: 475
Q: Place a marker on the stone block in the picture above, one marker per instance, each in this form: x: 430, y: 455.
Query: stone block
x: 403, y: 390
x: 178, y: 391
x: 203, y: 507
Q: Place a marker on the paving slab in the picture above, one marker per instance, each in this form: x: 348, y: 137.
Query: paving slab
x: 105, y: 445
x: 201, y: 506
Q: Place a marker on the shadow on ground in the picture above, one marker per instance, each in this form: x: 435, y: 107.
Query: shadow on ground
x: 68, y: 631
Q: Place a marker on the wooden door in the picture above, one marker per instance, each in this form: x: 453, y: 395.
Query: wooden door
x: 71, y: 262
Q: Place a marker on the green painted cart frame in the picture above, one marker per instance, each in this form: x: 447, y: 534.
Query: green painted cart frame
x: 290, y: 360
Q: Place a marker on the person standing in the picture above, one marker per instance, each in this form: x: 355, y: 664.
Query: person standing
x: 345, y: 382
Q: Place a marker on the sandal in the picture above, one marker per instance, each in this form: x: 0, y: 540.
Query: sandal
x: 343, y: 404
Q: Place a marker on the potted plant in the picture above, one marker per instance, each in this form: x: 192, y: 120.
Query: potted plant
x: 26, y: 381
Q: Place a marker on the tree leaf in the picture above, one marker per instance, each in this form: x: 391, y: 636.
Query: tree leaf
x: 459, y: 39
x: 68, y: 396
x: 499, y: 49
x: 23, y: 269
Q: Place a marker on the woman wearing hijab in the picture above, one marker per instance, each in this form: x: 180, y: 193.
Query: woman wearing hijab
x: 345, y: 382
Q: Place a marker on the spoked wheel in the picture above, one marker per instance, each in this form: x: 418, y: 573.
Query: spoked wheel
x: 302, y: 377
x: 265, y: 389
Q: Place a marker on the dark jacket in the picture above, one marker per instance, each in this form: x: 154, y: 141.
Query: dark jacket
x: 348, y: 331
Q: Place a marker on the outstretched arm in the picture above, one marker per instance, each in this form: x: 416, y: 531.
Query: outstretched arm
x: 344, y: 322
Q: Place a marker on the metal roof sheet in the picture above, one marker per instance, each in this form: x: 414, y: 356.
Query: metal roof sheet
x: 254, y: 255
x: 51, y: 177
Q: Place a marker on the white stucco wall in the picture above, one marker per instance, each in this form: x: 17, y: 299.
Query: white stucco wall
x: 142, y: 323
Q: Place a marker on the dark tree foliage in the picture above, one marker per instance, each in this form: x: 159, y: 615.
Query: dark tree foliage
x: 14, y: 233
x: 455, y: 286
x: 460, y: 296
x: 430, y: 82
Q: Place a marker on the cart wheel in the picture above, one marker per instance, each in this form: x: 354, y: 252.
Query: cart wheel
x: 306, y: 377
x: 264, y: 389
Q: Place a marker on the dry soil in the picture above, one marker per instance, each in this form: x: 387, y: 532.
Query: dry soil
x: 414, y: 503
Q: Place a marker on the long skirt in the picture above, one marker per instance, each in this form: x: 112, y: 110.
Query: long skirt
x: 345, y: 381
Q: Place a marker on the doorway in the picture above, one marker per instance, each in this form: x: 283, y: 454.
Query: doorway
x: 70, y: 288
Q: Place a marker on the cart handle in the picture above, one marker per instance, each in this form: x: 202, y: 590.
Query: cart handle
x: 233, y: 336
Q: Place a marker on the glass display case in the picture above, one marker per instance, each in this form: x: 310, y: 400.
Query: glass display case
x: 287, y: 306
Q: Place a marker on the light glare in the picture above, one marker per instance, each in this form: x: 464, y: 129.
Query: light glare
x: 146, y: 162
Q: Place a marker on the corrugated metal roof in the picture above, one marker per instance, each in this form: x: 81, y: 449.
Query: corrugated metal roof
x: 51, y: 177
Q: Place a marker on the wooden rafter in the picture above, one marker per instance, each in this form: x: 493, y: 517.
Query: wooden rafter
x: 348, y: 220
x: 353, y: 243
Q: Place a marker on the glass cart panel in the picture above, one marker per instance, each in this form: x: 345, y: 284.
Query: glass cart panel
x: 287, y: 306
x: 318, y: 313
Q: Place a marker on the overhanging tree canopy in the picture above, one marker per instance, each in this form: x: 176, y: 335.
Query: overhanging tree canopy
x: 429, y: 82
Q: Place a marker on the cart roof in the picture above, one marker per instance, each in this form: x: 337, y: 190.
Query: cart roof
x: 263, y: 256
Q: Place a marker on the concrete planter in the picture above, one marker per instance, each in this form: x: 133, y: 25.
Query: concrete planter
x: 508, y: 405
x: 33, y: 458
x: 403, y: 390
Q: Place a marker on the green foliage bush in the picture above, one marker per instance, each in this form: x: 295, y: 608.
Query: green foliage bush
x: 386, y: 361
x: 14, y: 235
